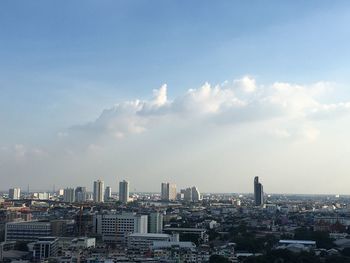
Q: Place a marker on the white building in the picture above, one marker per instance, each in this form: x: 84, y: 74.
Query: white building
x: 124, y: 192
x: 168, y: 192
x: 15, y: 193
x: 143, y: 242
x: 69, y: 195
x: 98, y: 191
x: 116, y: 227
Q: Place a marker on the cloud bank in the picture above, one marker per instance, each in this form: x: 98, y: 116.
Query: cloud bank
x: 292, y: 107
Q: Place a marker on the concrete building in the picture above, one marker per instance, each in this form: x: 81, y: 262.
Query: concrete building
x: 80, y: 194
x: 69, y: 195
x: 124, y: 192
x: 196, y: 196
x: 15, y: 193
x: 155, y: 222
x: 258, y: 192
x: 168, y: 192
x: 27, y: 231
x: 108, y: 193
x: 45, y: 248
x: 116, y: 227
x: 98, y: 191
x: 143, y: 242
x: 188, y: 195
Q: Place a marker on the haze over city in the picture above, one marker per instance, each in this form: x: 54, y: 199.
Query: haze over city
x: 195, y: 93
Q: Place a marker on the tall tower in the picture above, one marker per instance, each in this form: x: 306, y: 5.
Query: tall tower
x: 258, y: 192
x: 68, y: 195
x: 168, y: 191
x: 108, y: 193
x: 124, y: 191
x: 15, y: 193
x: 98, y: 191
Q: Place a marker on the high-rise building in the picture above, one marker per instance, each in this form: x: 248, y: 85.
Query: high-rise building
x: 108, y: 193
x: 98, y: 191
x: 168, y: 192
x: 124, y: 192
x: 80, y: 194
x: 116, y: 227
x: 69, y: 195
x: 188, y: 195
x: 15, y: 193
x: 155, y: 222
x: 196, y: 195
x: 258, y: 192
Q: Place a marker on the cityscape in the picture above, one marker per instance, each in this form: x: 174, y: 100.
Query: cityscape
x: 174, y: 131
x: 173, y: 225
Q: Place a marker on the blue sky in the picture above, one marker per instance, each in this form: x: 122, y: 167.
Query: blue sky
x: 63, y: 62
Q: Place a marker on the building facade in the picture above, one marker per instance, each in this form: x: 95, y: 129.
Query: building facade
x: 124, y: 192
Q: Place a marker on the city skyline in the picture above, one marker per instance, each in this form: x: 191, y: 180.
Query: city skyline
x: 200, y: 93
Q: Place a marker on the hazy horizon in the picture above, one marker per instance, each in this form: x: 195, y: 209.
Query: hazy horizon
x: 195, y: 93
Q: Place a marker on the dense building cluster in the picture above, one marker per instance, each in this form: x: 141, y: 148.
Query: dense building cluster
x: 74, y: 225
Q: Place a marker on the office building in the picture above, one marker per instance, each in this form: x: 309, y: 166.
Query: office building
x: 116, y: 227
x: 108, y: 193
x: 15, y: 193
x: 143, y: 242
x: 155, y: 222
x: 69, y: 195
x: 188, y: 194
x: 44, y: 248
x: 80, y: 194
x: 196, y: 196
x: 98, y: 191
x: 258, y: 192
x: 168, y: 192
x: 27, y: 231
x: 124, y: 192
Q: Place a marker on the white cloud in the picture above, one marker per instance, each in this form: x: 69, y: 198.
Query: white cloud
x: 294, y: 103
x: 247, y: 84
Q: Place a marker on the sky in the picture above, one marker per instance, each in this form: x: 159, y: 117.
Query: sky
x: 204, y: 93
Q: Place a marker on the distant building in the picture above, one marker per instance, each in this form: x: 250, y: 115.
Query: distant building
x: 98, y: 191
x: 114, y: 228
x: 258, y: 192
x: 69, y: 195
x: 168, y: 192
x: 15, y: 193
x: 191, y: 194
x: 155, y: 222
x: 108, y: 193
x: 80, y: 194
x: 124, y: 192
x: 188, y: 194
x: 196, y: 196
x: 143, y: 242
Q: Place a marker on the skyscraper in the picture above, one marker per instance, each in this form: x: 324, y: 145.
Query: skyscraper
x: 15, y: 193
x: 69, y: 195
x: 108, y: 193
x: 98, y: 191
x: 124, y: 191
x: 196, y: 195
x: 80, y: 194
x: 168, y: 192
x: 258, y: 192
